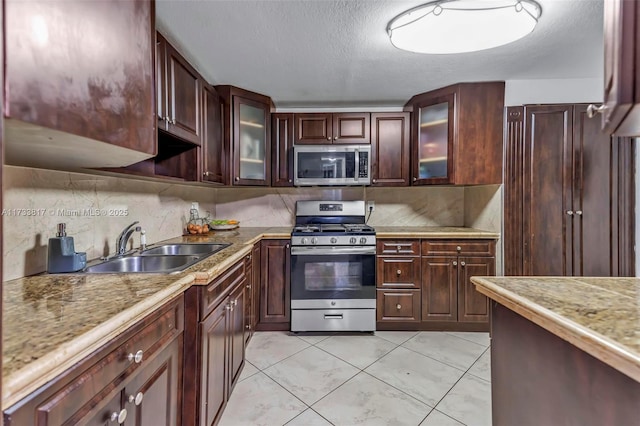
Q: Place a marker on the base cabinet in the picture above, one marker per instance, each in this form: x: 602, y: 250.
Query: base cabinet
x: 134, y: 380
x: 426, y: 284
x: 275, y: 295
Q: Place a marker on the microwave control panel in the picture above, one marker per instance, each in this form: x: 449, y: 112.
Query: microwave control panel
x: 363, y: 169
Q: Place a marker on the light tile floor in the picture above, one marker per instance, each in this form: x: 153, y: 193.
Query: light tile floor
x: 389, y: 378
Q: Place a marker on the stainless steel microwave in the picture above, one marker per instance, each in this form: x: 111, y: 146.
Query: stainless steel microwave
x: 338, y: 165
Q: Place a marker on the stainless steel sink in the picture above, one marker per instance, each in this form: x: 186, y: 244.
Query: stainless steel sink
x: 183, y: 249
x: 160, y: 264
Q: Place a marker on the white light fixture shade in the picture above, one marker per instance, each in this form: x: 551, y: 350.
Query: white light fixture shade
x: 457, y: 26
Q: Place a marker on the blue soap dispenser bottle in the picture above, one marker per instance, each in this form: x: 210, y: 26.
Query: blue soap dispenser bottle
x: 61, y: 254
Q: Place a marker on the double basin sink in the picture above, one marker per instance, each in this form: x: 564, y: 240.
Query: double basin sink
x: 166, y: 258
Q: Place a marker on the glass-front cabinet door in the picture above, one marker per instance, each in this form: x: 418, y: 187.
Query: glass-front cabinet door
x: 251, y: 148
x: 434, y: 120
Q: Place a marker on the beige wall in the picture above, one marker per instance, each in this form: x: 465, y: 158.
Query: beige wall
x: 163, y: 209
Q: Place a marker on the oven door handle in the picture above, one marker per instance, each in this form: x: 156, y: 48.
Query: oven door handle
x: 322, y: 251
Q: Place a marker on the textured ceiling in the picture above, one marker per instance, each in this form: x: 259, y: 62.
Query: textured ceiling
x: 313, y: 53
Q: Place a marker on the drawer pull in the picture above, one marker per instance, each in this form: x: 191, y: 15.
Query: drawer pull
x: 398, y: 306
x: 137, y: 358
x: 335, y: 316
x: 462, y: 263
x: 136, y: 399
x: 248, y: 327
x: 458, y: 248
x: 398, y: 272
x: 119, y: 417
x: 455, y: 263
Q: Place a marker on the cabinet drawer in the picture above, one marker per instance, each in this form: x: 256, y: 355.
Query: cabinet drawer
x: 220, y: 287
x: 398, y: 305
x: 464, y: 247
x: 70, y: 401
x: 404, y: 247
x: 397, y: 272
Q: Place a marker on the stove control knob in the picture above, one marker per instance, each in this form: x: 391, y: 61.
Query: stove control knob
x: 304, y: 241
x: 314, y: 240
x: 352, y: 240
x: 333, y: 240
x: 363, y: 240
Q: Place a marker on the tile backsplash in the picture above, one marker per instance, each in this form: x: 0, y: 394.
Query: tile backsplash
x: 97, y: 208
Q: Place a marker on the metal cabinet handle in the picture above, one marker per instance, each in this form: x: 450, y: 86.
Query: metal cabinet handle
x: 119, y: 417
x: 374, y: 180
x: 248, y: 286
x: 228, y: 307
x: 237, y: 179
x: 248, y: 327
x: 398, y: 306
x: 137, y: 358
x: 455, y: 263
x: 173, y: 120
x: 398, y: 272
x: 329, y: 138
x: 579, y: 212
x: 136, y: 399
x: 415, y: 179
x: 289, y: 180
x: 235, y: 302
x: 207, y: 173
x: 167, y: 119
x: 592, y: 110
x: 335, y: 138
x: 570, y: 212
x: 462, y: 263
x: 458, y: 248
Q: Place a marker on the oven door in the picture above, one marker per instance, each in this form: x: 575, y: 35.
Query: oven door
x: 333, y: 277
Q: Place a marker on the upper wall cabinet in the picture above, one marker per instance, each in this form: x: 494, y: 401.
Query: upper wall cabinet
x: 621, y: 109
x: 282, y: 149
x: 178, y: 94
x: 247, y: 133
x: 457, y: 134
x: 342, y: 128
x: 79, y: 83
x: 390, y: 149
x: 214, y: 158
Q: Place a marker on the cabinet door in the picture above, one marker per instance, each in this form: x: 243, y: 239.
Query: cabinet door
x: 390, y: 149
x: 236, y: 333
x: 433, y: 152
x: 153, y: 396
x: 398, y: 305
x: 592, y: 184
x: 275, y: 297
x: 281, y: 149
x: 351, y: 128
x: 250, y: 142
x: 313, y: 129
x: 213, y: 152
x: 183, y: 97
x: 621, y: 61
x: 472, y: 305
x: 83, y: 68
x: 439, y: 289
x: 398, y: 272
x: 248, y: 299
x: 547, y: 191
x: 162, y: 110
x: 255, y: 284
x: 214, y: 371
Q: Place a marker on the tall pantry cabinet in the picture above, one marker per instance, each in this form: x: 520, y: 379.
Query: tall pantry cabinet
x: 567, y: 187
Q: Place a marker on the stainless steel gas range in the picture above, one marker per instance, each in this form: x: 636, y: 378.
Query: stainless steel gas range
x: 333, y: 274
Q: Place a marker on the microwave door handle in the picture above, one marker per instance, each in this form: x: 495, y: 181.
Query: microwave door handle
x: 356, y: 169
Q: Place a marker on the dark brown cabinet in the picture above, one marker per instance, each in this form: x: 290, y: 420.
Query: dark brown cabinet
x: 247, y: 124
x: 327, y: 128
x: 214, y: 161
x: 390, y: 149
x: 215, y: 340
x: 52, y: 83
x: 565, y: 194
x: 178, y: 94
x: 136, y: 378
x: 621, y: 111
x: 281, y: 149
x: 275, y: 294
x: 398, y: 282
x: 448, y: 295
x: 457, y: 134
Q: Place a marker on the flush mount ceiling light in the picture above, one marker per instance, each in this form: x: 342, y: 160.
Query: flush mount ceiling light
x: 457, y: 26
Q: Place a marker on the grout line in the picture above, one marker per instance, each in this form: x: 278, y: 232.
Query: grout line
x: 450, y: 333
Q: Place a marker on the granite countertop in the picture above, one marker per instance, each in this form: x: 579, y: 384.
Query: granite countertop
x: 52, y: 321
x: 439, y: 232
x: 601, y: 316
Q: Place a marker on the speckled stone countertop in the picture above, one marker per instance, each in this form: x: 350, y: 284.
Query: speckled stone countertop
x: 439, y: 232
x: 601, y: 316
x: 50, y: 322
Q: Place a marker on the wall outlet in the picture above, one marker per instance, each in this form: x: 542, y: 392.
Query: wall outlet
x: 371, y: 206
x: 195, y: 205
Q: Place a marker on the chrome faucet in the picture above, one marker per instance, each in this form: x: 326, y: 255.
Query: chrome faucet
x: 123, y: 238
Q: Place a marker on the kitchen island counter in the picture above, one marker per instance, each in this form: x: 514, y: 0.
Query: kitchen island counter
x: 572, y: 346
